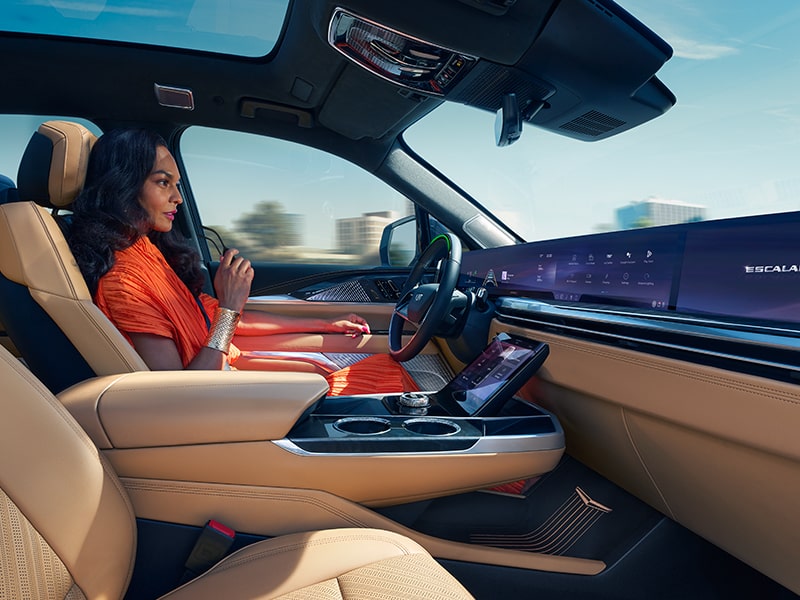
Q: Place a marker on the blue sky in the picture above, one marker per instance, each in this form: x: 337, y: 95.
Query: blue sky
x: 731, y: 143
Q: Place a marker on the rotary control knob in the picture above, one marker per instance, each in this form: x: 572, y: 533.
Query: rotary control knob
x: 413, y: 403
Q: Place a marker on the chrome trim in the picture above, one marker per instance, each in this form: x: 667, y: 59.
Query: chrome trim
x: 414, y: 400
x: 706, y: 329
x: 624, y: 314
x: 340, y: 425
x: 499, y: 444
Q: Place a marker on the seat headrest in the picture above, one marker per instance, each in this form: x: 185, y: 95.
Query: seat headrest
x: 8, y: 191
x: 53, y: 167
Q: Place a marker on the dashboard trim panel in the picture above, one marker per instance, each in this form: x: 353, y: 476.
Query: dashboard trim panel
x: 704, y: 341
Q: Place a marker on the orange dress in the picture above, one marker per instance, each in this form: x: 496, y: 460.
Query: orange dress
x: 142, y: 294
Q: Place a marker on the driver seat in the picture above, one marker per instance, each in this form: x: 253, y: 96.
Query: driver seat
x: 67, y: 528
x: 35, y: 258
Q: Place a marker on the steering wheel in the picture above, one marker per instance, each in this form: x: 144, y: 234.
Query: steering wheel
x: 423, y: 305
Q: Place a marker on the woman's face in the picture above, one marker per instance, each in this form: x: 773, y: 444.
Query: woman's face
x: 159, y: 195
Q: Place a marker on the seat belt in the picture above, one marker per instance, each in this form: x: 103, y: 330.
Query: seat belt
x: 212, y: 545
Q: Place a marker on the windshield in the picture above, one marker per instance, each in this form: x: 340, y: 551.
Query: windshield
x: 728, y: 148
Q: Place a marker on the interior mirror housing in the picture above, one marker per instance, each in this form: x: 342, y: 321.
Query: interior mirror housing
x: 508, y: 123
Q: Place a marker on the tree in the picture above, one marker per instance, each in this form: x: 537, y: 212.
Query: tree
x: 224, y: 238
x: 268, y: 226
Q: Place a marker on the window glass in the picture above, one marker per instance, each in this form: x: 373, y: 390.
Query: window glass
x: 243, y: 27
x: 17, y: 130
x: 728, y: 148
x: 283, y: 202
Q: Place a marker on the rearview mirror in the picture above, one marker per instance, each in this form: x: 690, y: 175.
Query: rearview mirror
x: 508, y: 122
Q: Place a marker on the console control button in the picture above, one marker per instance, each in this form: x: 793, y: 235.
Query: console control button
x: 414, y: 400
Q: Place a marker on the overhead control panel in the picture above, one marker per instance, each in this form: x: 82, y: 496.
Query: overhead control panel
x: 399, y: 58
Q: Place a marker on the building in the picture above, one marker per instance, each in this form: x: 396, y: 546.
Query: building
x: 294, y: 226
x: 656, y: 211
x: 362, y: 235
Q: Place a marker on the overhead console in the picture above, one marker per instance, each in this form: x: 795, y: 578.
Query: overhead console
x: 584, y: 68
x: 399, y: 58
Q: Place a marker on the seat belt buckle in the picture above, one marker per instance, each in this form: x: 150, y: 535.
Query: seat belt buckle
x: 213, y: 544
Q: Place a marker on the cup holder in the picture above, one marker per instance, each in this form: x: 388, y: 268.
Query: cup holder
x: 363, y: 425
x: 431, y: 426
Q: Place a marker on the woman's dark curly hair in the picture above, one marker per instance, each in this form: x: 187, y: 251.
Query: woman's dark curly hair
x: 107, y: 216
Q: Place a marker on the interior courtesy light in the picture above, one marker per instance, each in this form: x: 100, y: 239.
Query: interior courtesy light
x: 396, y: 57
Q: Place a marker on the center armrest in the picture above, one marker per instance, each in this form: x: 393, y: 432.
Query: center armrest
x: 170, y: 408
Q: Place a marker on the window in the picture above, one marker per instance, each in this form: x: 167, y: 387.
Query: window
x: 728, y: 148
x: 283, y: 202
x: 17, y: 130
x: 243, y: 27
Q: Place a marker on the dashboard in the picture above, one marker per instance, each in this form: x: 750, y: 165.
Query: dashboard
x: 746, y: 268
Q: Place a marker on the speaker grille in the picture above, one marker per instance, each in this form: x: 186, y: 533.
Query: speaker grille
x: 592, y: 123
x: 350, y: 291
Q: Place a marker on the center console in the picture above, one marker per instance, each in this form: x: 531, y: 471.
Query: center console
x: 277, y: 430
x: 475, y: 413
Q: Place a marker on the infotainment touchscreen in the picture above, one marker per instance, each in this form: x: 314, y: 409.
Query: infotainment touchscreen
x: 493, y: 377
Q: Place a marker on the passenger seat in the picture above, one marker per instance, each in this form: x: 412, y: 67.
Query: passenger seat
x: 67, y: 528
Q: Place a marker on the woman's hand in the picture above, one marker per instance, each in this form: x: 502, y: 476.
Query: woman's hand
x: 352, y: 325
x: 232, y: 280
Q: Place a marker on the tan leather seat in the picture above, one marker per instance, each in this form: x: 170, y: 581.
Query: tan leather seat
x: 34, y: 252
x: 67, y: 529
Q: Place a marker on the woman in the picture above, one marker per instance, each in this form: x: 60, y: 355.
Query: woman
x: 148, y: 281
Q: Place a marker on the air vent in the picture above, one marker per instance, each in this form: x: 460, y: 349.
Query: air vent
x: 592, y: 123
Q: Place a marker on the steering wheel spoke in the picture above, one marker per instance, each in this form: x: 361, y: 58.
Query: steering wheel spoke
x: 424, y: 305
x: 401, y: 308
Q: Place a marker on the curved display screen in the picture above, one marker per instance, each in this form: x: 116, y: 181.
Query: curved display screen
x: 747, y: 267
x: 745, y: 271
x: 632, y: 269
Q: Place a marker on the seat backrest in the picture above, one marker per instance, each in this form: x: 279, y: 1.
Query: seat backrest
x: 66, y: 524
x: 34, y: 254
